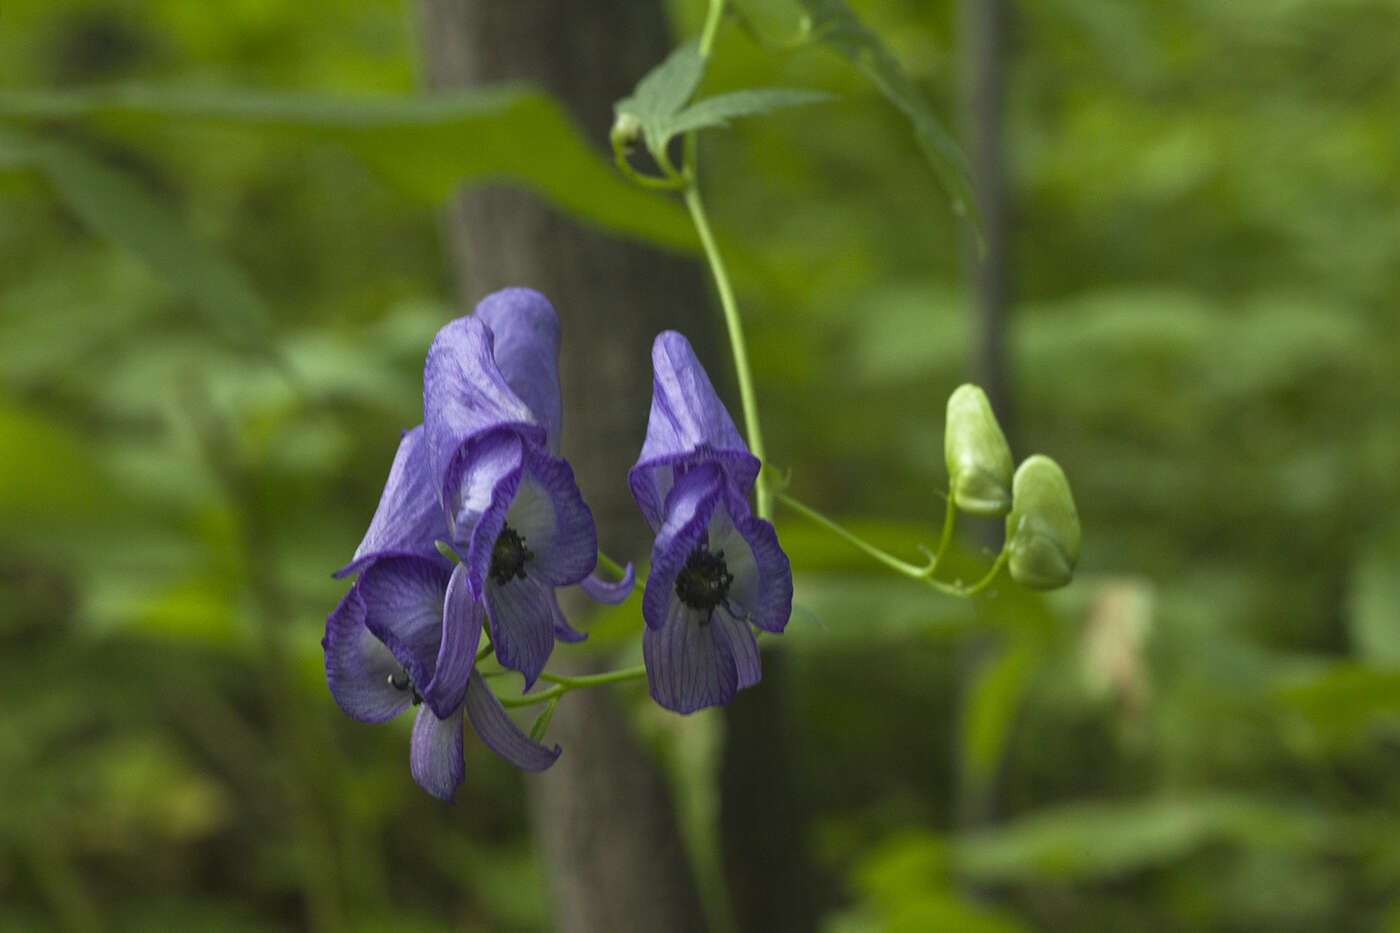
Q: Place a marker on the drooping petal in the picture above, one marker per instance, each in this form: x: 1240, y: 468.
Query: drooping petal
x: 549, y: 513
x: 486, y: 487
x: 522, y: 624
x: 689, y: 505
x: 403, y: 599
x: 563, y: 631
x: 465, y: 395
x: 611, y: 594
x: 409, y: 518
x: 358, y: 665
x: 526, y: 332
x: 762, y: 587
x: 693, y: 660
x: 688, y: 424
x: 461, y: 632
x: 499, y: 732
x: 744, y: 647
x: 435, y: 753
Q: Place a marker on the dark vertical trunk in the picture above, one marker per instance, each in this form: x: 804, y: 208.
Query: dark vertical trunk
x: 984, y: 40
x: 771, y: 885
x: 604, y: 819
x: 985, y: 25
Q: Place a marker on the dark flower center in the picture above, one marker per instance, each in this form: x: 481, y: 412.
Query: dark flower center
x: 704, y: 581
x: 508, y: 556
x: 401, y: 681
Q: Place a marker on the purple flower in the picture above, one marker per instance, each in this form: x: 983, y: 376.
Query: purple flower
x: 406, y: 635
x: 716, y: 569
x: 481, y: 475
x: 514, y: 514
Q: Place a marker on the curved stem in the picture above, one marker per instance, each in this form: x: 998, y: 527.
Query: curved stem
x: 747, y: 396
x: 564, y: 684
x: 670, y: 183
x: 950, y: 520
x: 982, y: 584
x: 595, y: 680
x: 894, y: 563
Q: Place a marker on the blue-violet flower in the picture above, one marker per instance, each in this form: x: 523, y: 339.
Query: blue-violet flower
x: 481, y: 475
x: 716, y: 569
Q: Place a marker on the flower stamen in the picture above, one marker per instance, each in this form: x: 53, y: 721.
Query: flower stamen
x: 508, y: 556
x: 704, y: 581
x: 401, y: 681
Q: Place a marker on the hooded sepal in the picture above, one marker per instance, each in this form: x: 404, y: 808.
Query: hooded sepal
x: 409, y: 518
x: 688, y: 424
x: 526, y: 331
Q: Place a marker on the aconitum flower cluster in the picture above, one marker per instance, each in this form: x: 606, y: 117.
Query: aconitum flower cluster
x: 480, y: 521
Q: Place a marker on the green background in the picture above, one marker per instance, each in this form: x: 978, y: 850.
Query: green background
x: 217, y: 284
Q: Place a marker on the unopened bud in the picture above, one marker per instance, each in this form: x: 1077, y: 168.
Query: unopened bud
x: 979, y: 460
x: 1042, y: 531
x: 626, y: 132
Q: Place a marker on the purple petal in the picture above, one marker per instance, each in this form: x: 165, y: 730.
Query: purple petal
x: 435, y: 753
x: 461, y: 632
x: 486, y: 487
x: 464, y: 395
x: 499, y: 732
x: 689, y: 506
x: 549, y: 513
x: 762, y: 589
x: 688, y: 424
x: 694, y: 659
x: 611, y: 594
x: 563, y: 631
x: 358, y: 665
x: 409, y: 518
x: 403, y: 599
x: 522, y: 624
x: 526, y: 332
x: 744, y: 647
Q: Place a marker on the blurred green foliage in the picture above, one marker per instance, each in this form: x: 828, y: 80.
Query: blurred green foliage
x: 221, y: 268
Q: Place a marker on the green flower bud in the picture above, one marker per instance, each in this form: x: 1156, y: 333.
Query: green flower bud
x: 626, y: 132
x: 979, y: 460
x: 1042, y: 531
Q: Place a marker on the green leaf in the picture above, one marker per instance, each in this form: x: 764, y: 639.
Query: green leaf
x: 833, y: 23
x: 719, y: 110
x: 541, y: 724
x: 1342, y: 702
x: 989, y: 713
x: 48, y: 473
x: 1099, y: 841
x: 114, y: 205
x: 426, y: 146
x: 1374, y: 603
x: 663, y: 91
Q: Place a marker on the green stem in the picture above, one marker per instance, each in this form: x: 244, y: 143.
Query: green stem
x: 670, y: 183
x: 711, y: 28
x: 747, y: 396
x: 894, y: 563
x: 595, y: 680
x: 564, y: 684
x: 982, y: 584
x: 950, y: 519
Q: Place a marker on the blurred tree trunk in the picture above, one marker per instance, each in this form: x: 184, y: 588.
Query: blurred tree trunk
x: 985, y: 25
x: 603, y: 816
